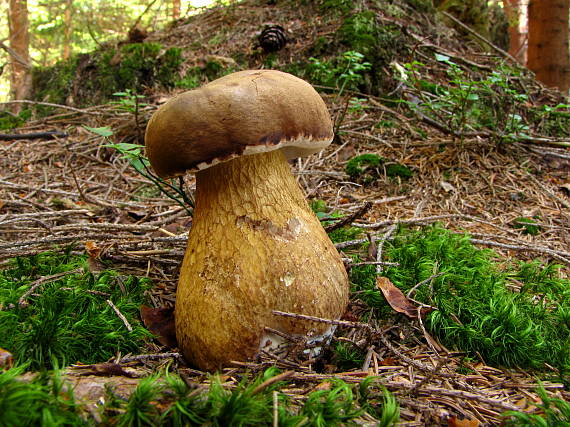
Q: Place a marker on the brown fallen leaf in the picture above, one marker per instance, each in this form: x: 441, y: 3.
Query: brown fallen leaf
x: 104, y: 370
x: 397, y: 300
x: 6, y: 359
x: 465, y: 422
x: 160, y: 321
x: 93, y: 250
x: 389, y: 361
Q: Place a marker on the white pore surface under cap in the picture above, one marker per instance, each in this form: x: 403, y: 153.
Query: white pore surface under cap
x: 292, y: 149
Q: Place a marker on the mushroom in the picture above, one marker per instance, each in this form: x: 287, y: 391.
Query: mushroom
x: 254, y: 246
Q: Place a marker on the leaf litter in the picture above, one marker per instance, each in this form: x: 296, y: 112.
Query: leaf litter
x: 76, y: 191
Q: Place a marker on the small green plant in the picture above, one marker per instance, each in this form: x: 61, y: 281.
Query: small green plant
x: 344, y: 73
x: 379, y: 402
x: 357, y: 105
x: 68, y: 319
x: 319, y: 207
x: 466, y: 104
x: 129, y: 101
x: 140, y: 163
x: 552, y: 120
x: 140, y: 410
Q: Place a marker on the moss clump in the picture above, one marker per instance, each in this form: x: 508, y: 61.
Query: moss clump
x: 167, y: 399
x: 380, y: 45
x: 356, y: 166
x: 68, y: 319
x: 93, y: 78
x: 41, y: 401
x: 528, y: 225
x: 476, y: 311
x: 347, y: 356
x: 398, y: 170
x: 367, y: 168
x: 360, y: 32
x: 10, y: 121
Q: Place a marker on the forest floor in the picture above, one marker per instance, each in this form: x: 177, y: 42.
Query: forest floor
x: 74, y: 190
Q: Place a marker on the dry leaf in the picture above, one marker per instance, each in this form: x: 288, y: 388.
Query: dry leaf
x: 389, y: 361
x: 327, y: 385
x: 6, y: 359
x: 397, y: 300
x: 465, y: 422
x: 447, y: 187
x: 92, y: 249
x: 160, y: 321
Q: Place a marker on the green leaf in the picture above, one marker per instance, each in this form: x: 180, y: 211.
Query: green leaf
x: 104, y: 131
x: 441, y: 58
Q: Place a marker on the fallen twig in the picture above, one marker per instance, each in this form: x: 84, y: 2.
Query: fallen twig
x: 349, y: 219
x: 46, y: 279
x: 120, y: 315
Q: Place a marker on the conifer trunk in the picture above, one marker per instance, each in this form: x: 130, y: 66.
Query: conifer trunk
x: 516, y: 15
x: 175, y: 9
x: 20, y: 80
x: 548, y: 42
x: 68, y: 30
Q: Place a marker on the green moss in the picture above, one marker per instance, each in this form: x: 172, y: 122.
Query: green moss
x: 40, y: 401
x: 356, y: 166
x: 360, y: 32
x: 366, y: 168
x: 398, y: 170
x: 476, y: 311
x: 54, y: 84
x: 10, y: 121
x: 528, y: 225
x: 347, y: 356
x: 345, y: 233
x: 167, y: 399
x: 338, y: 6
x: 380, y: 45
x: 93, y: 78
x: 553, y: 412
x: 68, y: 319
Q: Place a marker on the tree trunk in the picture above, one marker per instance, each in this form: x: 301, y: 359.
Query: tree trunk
x: 175, y: 9
x: 68, y: 29
x: 518, y: 30
x: 548, y: 42
x: 21, y: 79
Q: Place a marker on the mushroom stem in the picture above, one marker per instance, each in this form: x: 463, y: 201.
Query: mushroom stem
x: 255, y: 246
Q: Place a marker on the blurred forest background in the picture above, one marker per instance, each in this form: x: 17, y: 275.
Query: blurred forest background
x: 40, y: 33
x: 59, y: 29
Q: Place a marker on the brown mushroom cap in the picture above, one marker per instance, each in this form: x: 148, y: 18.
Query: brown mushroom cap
x: 247, y: 112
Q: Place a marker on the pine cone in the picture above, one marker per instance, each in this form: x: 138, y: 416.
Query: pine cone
x: 272, y: 38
